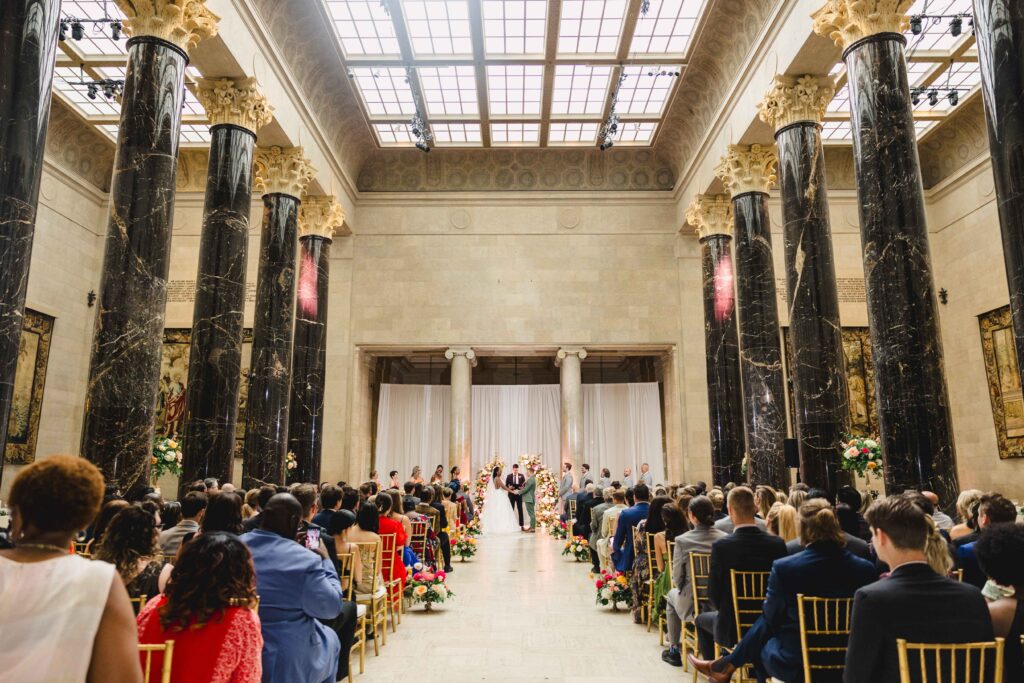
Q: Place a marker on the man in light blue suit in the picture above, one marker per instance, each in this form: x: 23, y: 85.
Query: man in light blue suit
x: 296, y: 588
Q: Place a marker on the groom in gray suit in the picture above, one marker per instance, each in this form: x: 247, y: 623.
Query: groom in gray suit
x: 565, y: 487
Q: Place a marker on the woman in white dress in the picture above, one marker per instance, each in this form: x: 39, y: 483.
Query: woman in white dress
x: 498, y: 517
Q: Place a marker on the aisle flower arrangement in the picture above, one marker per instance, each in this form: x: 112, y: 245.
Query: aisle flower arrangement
x: 546, y: 507
x: 559, y: 530
x: 426, y: 587
x: 463, y: 547
x: 612, y: 589
x: 166, y: 457
x: 863, y: 456
x: 578, y: 548
x: 472, y: 528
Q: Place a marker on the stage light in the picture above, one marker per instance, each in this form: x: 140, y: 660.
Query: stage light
x: 92, y: 90
x: 422, y: 146
x: 915, y: 96
x: 933, y: 97
x: 956, y: 27
x: 607, y: 144
x: 109, y: 90
x: 416, y: 132
x: 115, y: 31
x: 77, y: 30
x: 916, y: 25
x: 63, y: 35
x: 954, y: 98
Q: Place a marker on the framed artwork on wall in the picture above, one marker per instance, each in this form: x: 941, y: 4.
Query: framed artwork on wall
x: 1004, y: 385
x: 29, y: 383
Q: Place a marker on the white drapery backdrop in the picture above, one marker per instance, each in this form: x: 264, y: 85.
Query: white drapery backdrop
x: 621, y: 427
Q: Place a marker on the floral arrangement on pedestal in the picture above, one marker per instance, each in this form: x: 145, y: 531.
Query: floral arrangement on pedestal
x: 166, y: 458
x: 559, y: 529
x: 463, y: 547
x: 290, y: 465
x: 546, y: 508
x: 612, y: 589
x: 863, y: 456
x: 483, y: 478
x: 578, y: 548
x: 426, y: 587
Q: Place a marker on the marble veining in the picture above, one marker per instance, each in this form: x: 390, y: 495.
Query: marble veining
x: 818, y: 367
x: 215, y: 356
x: 913, y: 404
x: 124, y: 369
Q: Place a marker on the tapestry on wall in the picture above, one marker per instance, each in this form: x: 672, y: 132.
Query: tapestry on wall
x: 29, y: 381
x: 860, y: 381
x: 1004, y: 387
x: 170, y: 415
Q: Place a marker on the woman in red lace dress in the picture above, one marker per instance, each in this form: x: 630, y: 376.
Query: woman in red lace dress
x: 392, y: 526
x: 209, y: 611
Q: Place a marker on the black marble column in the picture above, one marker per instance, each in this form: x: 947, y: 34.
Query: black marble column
x: 818, y: 367
x: 266, y: 423
x: 760, y: 348
x: 725, y: 389
x: 913, y: 407
x: 215, y: 357
x: 124, y: 369
x: 999, y: 27
x: 28, y: 32
x: 305, y: 431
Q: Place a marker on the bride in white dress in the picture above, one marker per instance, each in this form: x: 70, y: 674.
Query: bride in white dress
x: 498, y: 517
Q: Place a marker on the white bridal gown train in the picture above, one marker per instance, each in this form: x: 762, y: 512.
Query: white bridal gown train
x: 499, y: 517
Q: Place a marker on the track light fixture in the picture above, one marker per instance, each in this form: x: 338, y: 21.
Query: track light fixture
x: 933, y: 97
x: 110, y: 88
x: 956, y: 26
x: 917, y: 25
x: 92, y: 90
x: 77, y: 30
x: 77, y: 26
x: 63, y: 34
x: 954, y: 98
x: 918, y: 22
x: 115, y: 30
x: 419, y: 130
x: 915, y: 96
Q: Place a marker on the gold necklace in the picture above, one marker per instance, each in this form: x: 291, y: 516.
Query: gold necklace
x: 41, y: 546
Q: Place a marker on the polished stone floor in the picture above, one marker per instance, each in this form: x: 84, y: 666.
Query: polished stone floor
x: 522, y: 613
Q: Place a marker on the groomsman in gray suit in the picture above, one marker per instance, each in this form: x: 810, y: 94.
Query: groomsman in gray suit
x: 627, y: 478
x: 565, y: 487
x: 646, y: 477
x: 586, y: 477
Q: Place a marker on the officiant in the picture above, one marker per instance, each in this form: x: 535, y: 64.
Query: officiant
x: 515, y: 482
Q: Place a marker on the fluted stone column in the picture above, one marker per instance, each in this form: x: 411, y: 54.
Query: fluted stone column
x: 236, y: 110
x: 319, y: 219
x: 460, y: 421
x: 282, y: 175
x: 712, y: 217
x: 913, y: 405
x: 999, y: 28
x: 795, y: 107
x: 748, y: 172
x: 124, y: 368
x: 28, y: 32
x: 569, y: 362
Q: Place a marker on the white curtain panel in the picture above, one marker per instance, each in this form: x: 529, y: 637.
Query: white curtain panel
x: 621, y: 427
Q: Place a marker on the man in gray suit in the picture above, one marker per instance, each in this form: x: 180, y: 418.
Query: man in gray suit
x: 586, y: 477
x: 646, y: 477
x: 726, y: 524
x: 627, y: 478
x: 595, y: 525
x: 679, y: 601
x: 565, y: 487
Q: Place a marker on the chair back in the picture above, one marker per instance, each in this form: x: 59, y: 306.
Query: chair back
x: 572, y: 509
x: 700, y: 573
x: 345, y: 561
x: 824, y: 634
x: 370, y: 556
x: 418, y: 542
x: 146, y: 653
x: 652, y: 562
x: 957, y: 574
x: 748, y: 593
x: 387, y: 553
x: 951, y: 663
x: 138, y: 603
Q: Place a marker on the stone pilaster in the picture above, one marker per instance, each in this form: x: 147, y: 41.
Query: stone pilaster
x: 460, y: 424
x: 569, y: 361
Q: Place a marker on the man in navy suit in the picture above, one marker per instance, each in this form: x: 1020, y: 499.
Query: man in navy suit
x: 622, y: 544
x: 824, y: 569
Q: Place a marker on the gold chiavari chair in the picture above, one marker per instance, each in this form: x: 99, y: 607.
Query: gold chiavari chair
x: 394, y: 587
x: 957, y: 574
x: 80, y: 548
x: 824, y: 633
x: 652, y: 571
x: 572, y: 513
x: 138, y: 603
x: 748, y: 593
x: 951, y: 663
x: 700, y: 573
x: 345, y: 561
x: 167, y: 653
x: 418, y: 543
x: 376, y: 600
x: 663, y: 620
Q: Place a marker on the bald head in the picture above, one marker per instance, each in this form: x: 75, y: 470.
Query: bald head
x: 931, y: 497
x: 281, y: 515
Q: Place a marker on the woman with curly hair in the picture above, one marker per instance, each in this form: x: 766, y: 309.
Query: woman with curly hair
x: 131, y: 543
x: 99, y: 526
x: 208, y: 610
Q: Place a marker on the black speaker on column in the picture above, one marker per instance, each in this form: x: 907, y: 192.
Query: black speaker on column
x: 792, y: 453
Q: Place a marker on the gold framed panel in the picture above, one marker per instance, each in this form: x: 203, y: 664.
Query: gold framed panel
x: 1004, y: 383
x: 29, y: 384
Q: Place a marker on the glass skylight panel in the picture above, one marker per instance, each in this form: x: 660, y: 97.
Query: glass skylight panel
x: 364, y: 27
x: 962, y: 75
x: 514, y: 27
x: 97, y: 40
x: 580, y: 89
x: 917, y: 72
x: 192, y: 134
x: 438, y: 27
x: 515, y: 133
x: 385, y: 91
x: 836, y: 131
x: 590, y: 26
x: 645, y: 89
x: 667, y: 27
x: 456, y: 133
x: 394, y: 134
x: 572, y: 133
x: 449, y: 90
x: 923, y: 127
x: 841, y: 101
x: 935, y: 34
x: 515, y: 89
x: 77, y: 95
x: 636, y: 133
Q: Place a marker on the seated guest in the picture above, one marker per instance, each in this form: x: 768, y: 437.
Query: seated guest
x: 942, y: 520
x: 643, y: 573
x: 338, y: 528
x: 193, y: 507
x: 796, y: 497
x: 365, y: 531
x: 63, y: 617
x: 966, y: 511
x: 584, y: 501
x: 999, y: 551
x: 263, y: 496
x: 749, y: 549
x: 727, y: 525
x: 913, y: 603
x: 442, y: 535
x: 208, y: 611
x: 764, y: 498
x: 131, y: 545
x: 781, y: 521
x: 848, y: 506
x: 451, y: 510
x: 596, y: 515
x: 825, y: 570
x: 349, y: 499
x: 223, y: 513
x: 386, y: 525
x: 99, y: 526
x: 330, y: 501
x: 679, y: 601
x: 854, y: 543
x: 212, y: 486
x: 993, y: 508
x: 437, y: 521
x: 717, y: 498
x: 170, y: 514
x: 398, y: 516
x: 609, y: 523
x: 622, y: 544
x: 297, y: 587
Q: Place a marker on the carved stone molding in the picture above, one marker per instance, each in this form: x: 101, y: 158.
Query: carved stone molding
x: 792, y: 99
x: 747, y: 168
x: 284, y: 171
x: 238, y: 102
x: 321, y: 216
x: 847, y: 21
x: 710, y: 215
x: 181, y: 22
x: 466, y: 351
x: 567, y: 351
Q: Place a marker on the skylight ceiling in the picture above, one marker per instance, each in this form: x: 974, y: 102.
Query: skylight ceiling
x: 514, y: 72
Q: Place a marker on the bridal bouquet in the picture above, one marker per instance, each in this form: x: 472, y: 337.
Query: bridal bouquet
x: 863, y: 456
x: 613, y: 588
x: 559, y: 529
x: 464, y: 546
x: 427, y: 587
x: 578, y: 548
x: 166, y: 457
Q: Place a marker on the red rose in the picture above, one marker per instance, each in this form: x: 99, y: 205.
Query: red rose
x: 864, y: 451
x: 600, y: 583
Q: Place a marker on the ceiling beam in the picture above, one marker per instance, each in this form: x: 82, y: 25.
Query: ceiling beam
x: 405, y: 46
x: 370, y: 62
x: 550, y: 59
x: 476, y: 32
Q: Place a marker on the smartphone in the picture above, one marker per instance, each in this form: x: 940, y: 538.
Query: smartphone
x: 312, y: 538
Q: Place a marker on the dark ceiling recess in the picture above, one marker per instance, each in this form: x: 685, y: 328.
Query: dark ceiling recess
x: 598, y: 368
